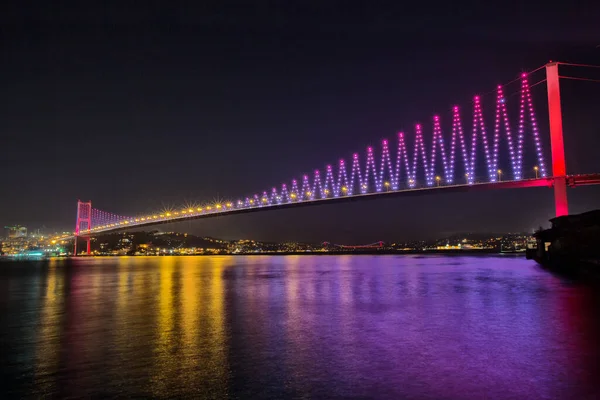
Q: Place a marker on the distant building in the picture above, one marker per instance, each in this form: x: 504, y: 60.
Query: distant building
x: 571, y: 238
x: 16, y: 231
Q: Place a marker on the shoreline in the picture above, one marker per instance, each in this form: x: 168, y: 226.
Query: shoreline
x: 331, y: 253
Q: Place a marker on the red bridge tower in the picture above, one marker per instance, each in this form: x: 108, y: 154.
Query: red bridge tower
x: 559, y: 168
x: 84, y: 223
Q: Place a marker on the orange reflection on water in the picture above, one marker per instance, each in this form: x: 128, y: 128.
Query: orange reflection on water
x: 189, y: 306
x: 190, y: 346
x: 165, y: 364
x: 48, y: 340
x: 213, y: 356
x: 124, y: 319
x: 217, y: 300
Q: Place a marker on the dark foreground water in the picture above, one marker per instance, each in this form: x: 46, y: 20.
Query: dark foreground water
x: 297, y: 327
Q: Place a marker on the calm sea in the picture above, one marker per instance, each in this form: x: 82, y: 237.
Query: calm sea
x: 299, y: 327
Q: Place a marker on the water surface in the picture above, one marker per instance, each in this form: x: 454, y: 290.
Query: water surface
x: 297, y: 327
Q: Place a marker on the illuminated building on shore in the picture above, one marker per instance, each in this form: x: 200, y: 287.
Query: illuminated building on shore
x: 18, y: 242
x: 17, y: 231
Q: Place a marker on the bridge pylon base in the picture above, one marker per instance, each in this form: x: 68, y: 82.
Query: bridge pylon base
x: 561, y: 204
x: 88, y: 245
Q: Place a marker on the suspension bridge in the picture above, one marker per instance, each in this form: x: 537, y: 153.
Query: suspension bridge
x: 376, y: 245
x: 449, y: 163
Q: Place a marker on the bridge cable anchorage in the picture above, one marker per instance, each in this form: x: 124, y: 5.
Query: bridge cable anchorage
x: 448, y: 158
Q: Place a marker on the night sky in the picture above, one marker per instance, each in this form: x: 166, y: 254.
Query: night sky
x: 138, y: 108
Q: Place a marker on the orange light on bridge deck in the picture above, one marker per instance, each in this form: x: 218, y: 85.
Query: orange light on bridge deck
x: 438, y: 179
x: 143, y: 219
x: 536, y: 169
x: 154, y: 217
x: 199, y: 209
x: 191, y: 210
x: 218, y: 206
x: 293, y: 196
x: 229, y: 204
x: 308, y: 193
x: 176, y: 213
x: 126, y: 222
x: 168, y: 214
x: 137, y: 220
x: 252, y: 200
x: 208, y: 207
x: 326, y: 191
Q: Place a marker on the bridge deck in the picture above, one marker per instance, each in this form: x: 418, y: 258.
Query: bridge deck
x: 525, y: 183
x: 573, y: 181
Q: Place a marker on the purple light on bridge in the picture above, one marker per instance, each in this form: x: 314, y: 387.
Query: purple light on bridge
x: 438, y: 141
x: 501, y: 114
x: 420, y: 145
x: 479, y: 125
x: 380, y: 169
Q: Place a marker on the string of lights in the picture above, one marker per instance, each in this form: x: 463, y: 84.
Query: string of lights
x: 428, y: 165
x: 100, y: 218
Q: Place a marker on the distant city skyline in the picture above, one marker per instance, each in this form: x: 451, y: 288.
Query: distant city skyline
x: 182, y: 243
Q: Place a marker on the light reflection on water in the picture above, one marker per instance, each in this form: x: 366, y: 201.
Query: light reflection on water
x: 297, y: 327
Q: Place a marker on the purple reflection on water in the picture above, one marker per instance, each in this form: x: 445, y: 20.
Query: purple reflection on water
x: 298, y: 327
